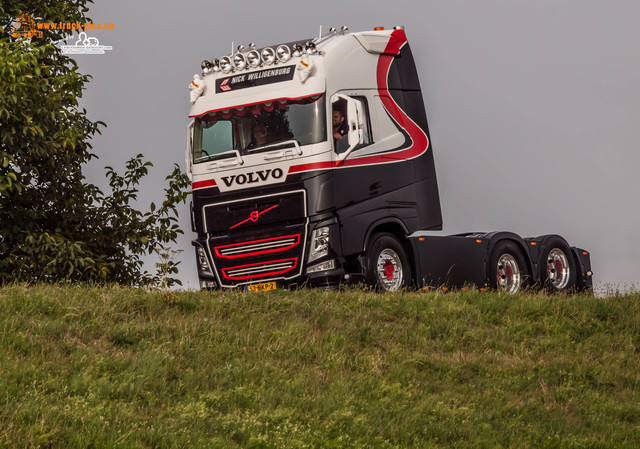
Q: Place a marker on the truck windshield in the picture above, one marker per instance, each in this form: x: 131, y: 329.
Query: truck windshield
x: 260, y: 127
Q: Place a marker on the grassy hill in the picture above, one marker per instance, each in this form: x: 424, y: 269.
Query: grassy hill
x: 90, y: 367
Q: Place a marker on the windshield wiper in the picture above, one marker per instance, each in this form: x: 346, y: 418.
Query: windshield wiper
x: 224, y: 155
x: 278, y: 145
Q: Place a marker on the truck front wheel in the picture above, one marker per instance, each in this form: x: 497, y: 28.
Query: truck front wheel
x: 387, y: 264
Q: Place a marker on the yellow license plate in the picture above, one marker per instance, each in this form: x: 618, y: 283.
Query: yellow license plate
x: 266, y: 286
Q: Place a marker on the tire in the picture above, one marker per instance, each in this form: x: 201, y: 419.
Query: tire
x: 557, y: 267
x: 508, y: 269
x: 387, y: 264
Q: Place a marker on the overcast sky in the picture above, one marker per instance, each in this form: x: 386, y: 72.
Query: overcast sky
x: 533, y: 106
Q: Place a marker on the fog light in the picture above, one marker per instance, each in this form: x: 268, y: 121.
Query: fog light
x: 319, y: 243
x: 206, y: 284
x: 323, y: 266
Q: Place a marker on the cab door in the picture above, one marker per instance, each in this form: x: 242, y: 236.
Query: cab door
x: 370, y: 186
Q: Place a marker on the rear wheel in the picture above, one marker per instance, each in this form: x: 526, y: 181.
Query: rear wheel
x: 509, y: 271
x: 556, y: 265
x: 387, y: 265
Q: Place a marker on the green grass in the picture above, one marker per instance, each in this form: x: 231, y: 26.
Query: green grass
x: 90, y: 367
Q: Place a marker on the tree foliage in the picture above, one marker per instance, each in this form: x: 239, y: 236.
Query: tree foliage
x: 54, y: 225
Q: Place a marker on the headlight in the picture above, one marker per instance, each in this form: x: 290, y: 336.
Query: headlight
x: 268, y: 55
x: 225, y: 64
x: 206, y: 67
x: 253, y: 58
x: 203, y: 263
x: 284, y: 53
x: 319, y: 243
x: 239, y: 62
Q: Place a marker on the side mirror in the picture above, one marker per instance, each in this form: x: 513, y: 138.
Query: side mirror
x: 188, y: 154
x: 355, y: 120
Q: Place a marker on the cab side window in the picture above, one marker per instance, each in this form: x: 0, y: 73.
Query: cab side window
x: 367, y: 136
x: 350, y: 122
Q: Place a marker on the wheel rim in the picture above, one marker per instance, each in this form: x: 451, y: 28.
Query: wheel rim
x: 558, y: 271
x: 389, y: 270
x: 509, y: 277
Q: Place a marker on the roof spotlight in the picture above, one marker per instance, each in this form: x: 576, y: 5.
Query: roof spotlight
x: 225, y: 64
x: 240, y: 48
x: 310, y: 48
x: 284, y: 53
x: 253, y: 58
x: 344, y: 28
x: 206, y: 66
x: 297, y: 49
x: 216, y: 64
x: 268, y: 55
x: 332, y: 30
x: 239, y: 62
x: 252, y: 46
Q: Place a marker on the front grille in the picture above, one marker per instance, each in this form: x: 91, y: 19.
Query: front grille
x: 251, y: 214
x: 257, y: 239
x: 257, y: 247
x: 259, y: 270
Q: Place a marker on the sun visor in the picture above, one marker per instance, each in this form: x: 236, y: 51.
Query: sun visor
x: 249, y: 95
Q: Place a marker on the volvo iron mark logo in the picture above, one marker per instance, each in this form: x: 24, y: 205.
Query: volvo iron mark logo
x: 253, y: 177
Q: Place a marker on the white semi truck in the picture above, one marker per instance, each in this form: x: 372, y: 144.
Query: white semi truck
x: 311, y: 164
